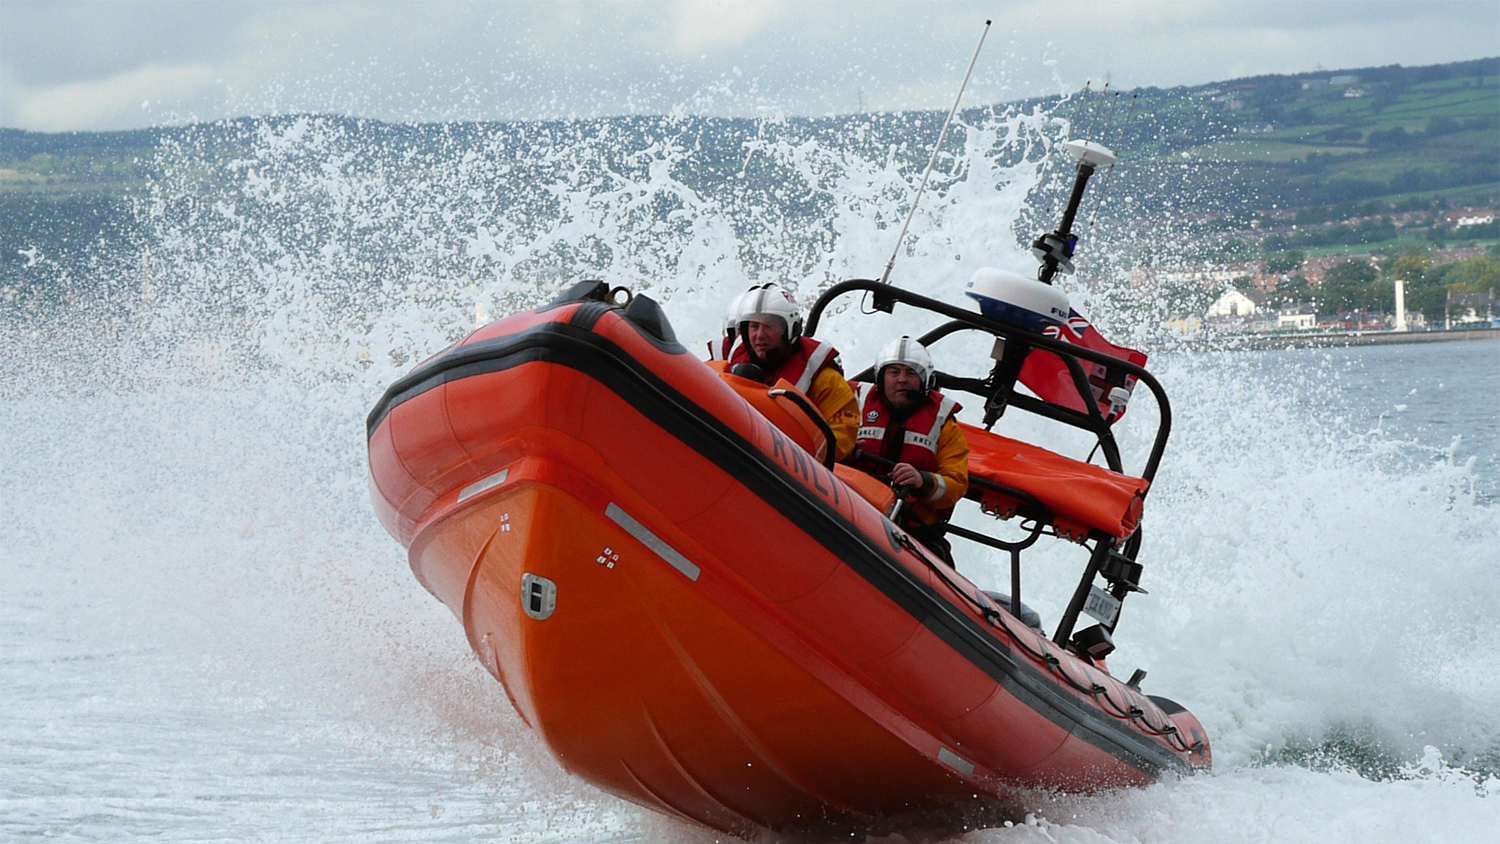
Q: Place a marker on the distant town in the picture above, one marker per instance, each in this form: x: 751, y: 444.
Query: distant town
x: 1439, y: 288
x: 1359, y: 202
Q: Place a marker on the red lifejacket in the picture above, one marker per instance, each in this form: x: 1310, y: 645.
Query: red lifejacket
x: 919, y: 437
x: 806, y: 360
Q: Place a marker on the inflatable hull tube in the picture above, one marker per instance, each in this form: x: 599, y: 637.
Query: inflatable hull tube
x: 695, y: 614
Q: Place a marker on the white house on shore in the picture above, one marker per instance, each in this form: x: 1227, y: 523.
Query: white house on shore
x: 1299, y: 318
x: 1472, y: 308
x: 1251, y: 310
x: 1237, y: 303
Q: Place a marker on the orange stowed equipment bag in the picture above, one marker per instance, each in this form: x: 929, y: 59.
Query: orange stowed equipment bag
x: 782, y: 412
x: 869, y: 487
x: 1081, y: 495
x: 792, y: 420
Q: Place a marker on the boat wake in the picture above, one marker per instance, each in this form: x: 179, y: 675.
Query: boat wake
x: 185, y: 520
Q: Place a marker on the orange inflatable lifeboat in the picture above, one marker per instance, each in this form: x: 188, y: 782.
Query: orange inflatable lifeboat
x: 696, y: 610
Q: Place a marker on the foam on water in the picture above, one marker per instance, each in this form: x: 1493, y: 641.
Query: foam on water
x: 207, y: 636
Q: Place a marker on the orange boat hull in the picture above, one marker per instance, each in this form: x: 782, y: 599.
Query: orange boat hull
x: 699, y: 617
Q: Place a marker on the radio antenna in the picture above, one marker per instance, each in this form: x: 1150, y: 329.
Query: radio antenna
x: 1098, y: 105
x: 885, y: 277
x: 1104, y: 188
x: 1078, y: 107
x: 1110, y: 120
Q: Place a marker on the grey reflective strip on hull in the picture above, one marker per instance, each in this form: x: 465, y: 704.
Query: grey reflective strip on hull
x: 483, y: 486
x: 956, y: 762
x: 945, y: 412
x: 652, y: 541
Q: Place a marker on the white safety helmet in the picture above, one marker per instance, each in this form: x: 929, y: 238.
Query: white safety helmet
x: 765, y: 302
x: 732, y: 315
x: 905, y: 350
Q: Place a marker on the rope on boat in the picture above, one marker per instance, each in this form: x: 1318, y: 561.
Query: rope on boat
x: 1100, y: 692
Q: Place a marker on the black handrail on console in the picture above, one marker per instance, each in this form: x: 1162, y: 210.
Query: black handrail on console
x: 1069, y: 353
x: 999, y: 391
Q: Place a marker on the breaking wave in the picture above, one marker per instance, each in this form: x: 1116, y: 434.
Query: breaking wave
x: 185, y: 521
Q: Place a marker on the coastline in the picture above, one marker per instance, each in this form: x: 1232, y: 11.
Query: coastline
x: 1371, y: 338
x: 1313, y: 340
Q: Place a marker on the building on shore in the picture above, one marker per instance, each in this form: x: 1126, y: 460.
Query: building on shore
x: 1254, y: 312
x: 1300, y: 317
x: 1469, y: 309
x: 1235, y: 303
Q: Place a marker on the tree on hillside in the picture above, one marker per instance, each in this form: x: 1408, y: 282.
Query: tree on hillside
x: 1285, y: 262
x: 1408, y: 268
x: 1348, y: 286
x: 1393, y: 137
x: 1442, y: 124
x: 1185, y: 297
x: 1293, y: 291
x: 1476, y: 275
x: 1342, y: 135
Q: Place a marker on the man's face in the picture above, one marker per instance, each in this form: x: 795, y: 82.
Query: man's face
x: 765, y: 339
x: 902, y: 386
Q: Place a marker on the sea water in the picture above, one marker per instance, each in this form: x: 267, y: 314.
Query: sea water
x: 205, y: 635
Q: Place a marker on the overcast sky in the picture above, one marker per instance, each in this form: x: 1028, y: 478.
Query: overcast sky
x: 119, y: 65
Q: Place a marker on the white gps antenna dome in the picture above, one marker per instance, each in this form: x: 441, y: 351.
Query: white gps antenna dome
x: 1016, y: 300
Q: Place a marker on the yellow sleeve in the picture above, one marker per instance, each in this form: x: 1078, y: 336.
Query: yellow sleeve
x: 835, y: 400
x: 953, y: 467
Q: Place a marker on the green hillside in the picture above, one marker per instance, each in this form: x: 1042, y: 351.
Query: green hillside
x: 1294, y: 141
x: 1281, y: 167
x: 1350, y: 136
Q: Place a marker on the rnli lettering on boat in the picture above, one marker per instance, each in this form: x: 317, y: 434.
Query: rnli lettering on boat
x: 800, y: 463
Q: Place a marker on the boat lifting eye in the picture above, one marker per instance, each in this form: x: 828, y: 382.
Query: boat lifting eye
x: 620, y: 296
x: 538, y: 596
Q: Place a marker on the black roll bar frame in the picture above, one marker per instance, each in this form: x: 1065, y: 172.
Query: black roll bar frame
x: 1069, y: 353
x: 992, y: 388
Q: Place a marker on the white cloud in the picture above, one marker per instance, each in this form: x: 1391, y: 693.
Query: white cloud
x: 87, y: 65
x: 699, y: 26
x: 110, y: 101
